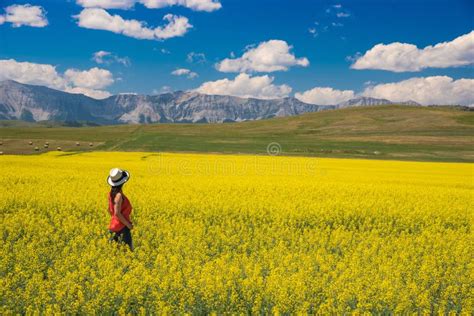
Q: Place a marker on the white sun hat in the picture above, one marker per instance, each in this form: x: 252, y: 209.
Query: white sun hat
x: 117, y: 177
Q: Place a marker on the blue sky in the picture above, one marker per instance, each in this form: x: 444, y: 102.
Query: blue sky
x: 312, y: 29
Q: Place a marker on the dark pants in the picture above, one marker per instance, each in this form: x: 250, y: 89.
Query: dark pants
x: 123, y: 236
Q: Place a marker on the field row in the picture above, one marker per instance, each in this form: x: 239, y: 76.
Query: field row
x: 237, y: 234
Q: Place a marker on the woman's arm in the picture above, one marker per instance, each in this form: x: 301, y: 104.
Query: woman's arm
x: 118, y: 211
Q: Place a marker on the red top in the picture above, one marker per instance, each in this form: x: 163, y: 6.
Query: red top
x: 115, y: 224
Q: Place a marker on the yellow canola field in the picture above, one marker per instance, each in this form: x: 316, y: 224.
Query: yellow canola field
x: 237, y: 234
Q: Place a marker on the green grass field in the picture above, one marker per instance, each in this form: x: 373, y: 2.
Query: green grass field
x: 380, y: 132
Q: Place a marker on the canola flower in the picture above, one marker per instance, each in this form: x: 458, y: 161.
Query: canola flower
x: 237, y: 234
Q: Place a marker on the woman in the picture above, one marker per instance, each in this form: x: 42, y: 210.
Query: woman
x: 119, y: 208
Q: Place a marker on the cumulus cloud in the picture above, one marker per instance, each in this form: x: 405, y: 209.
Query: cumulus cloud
x: 260, y: 87
x: 184, y: 72
x: 31, y: 73
x: 96, y: 94
x: 197, y: 5
x: 435, y: 90
x: 89, y: 82
x: 107, y: 58
x: 99, y: 19
x: 441, y: 90
x: 94, y: 78
x: 29, y: 15
x: 177, y: 26
x: 399, y: 57
x: 273, y: 55
x: 324, y: 96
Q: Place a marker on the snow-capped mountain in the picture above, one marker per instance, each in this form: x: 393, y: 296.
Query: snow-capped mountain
x: 38, y: 103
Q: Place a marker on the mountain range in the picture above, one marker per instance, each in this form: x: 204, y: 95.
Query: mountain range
x: 37, y: 103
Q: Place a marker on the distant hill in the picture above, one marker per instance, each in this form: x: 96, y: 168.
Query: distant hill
x: 366, y: 101
x: 379, y: 132
x: 37, y: 103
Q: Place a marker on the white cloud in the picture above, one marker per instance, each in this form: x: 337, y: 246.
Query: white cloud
x: 104, y: 57
x: 184, y: 72
x: 369, y: 83
x: 31, y: 73
x: 436, y: 90
x: 96, y: 94
x: 338, y: 11
x: 273, y: 55
x: 197, y: 5
x: 99, y: 19
x: 324, y: 96
x: 177, y: 26
x: 243, y: 85
x: 399, y: 57
x: 89, y: 82
x: 94, y: 78
x: 99, y: 56
x: 353, y: 58
x: 343, y: 14
x: 107, y: 4
x: 198, y: 58
x: 29, y: 15
x: 441, y: 90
